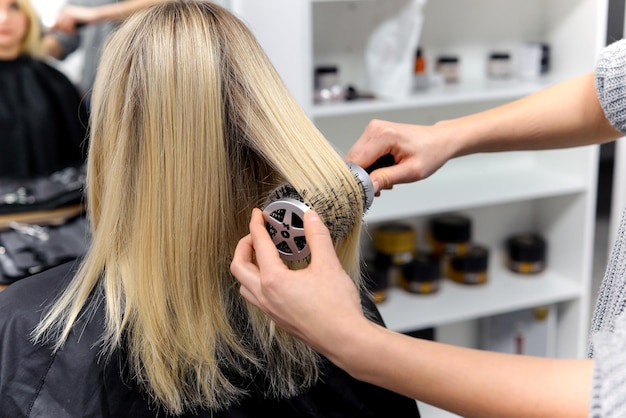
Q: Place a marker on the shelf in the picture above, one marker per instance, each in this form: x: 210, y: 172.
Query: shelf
x: 552, y: 191
x: 504, y: 292
x: 445, y: 191
x: 461, y: 93
x: 428, y: 411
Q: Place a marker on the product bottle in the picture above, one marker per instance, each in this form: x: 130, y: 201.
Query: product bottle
x: 420, y: 79
x: 420, y: 64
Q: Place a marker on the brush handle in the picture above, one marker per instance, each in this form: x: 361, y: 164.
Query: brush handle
x: 386, y: 160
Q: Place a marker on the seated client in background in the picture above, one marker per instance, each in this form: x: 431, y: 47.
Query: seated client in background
x: 42, y: 120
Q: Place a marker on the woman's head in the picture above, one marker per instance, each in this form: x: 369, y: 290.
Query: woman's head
x: 192, y: 117
x: 20, y: 30
x: 191, y: 128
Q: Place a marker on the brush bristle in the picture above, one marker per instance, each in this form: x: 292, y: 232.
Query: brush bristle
x: 338, y: 220
x: 325, y: 204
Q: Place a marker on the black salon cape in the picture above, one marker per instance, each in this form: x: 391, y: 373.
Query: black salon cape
x: 77, y: 383
x: 42, y: 120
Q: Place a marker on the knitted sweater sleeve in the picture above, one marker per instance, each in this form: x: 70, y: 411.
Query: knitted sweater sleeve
x: 608, y: 330
x: 610, y: 76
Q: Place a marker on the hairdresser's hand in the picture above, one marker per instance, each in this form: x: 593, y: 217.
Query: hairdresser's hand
x: 418, y: 152
x: 71, y: 17
x: 318, y: 304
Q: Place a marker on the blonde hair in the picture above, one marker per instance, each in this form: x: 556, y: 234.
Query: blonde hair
x: 31, y: 43
x: 191, y: 128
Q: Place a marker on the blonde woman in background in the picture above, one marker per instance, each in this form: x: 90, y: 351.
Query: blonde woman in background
x: 42, y: 119
x: 191, y: 128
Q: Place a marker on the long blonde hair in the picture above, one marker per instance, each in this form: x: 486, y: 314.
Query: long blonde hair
x: 32, y: 42
x: 191, y: 128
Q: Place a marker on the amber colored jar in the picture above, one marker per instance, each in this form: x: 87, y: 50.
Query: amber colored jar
x: 377, y: 283
x: 450, y: 234
x: 422, y: 275
x: 471, y: 267
x: 526, y: 253
x: 394, y: 243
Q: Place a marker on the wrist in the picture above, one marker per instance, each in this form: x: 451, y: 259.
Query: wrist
x: 358, y: 348
x: 455, y: 138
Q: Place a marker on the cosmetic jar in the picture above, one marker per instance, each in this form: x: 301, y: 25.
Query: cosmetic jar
x: 377, y: 282
x: 499, y: 65
x: 327, y: 88
x: 422, y: 275
x: 471, y: 267
x: 394, y: 244
x: 448, y: 67
x: 526, y: 253
x: 450, y: 234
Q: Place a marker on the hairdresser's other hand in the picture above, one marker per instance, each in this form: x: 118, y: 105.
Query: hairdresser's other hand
x: 303, y: 302
x: 72, y: 16
x: 418, y: 151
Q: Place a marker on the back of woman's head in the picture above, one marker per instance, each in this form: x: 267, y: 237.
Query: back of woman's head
x: 192, y: 128
x: 31, y: 43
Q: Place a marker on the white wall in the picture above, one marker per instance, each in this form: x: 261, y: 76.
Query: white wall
x: 48, y: 11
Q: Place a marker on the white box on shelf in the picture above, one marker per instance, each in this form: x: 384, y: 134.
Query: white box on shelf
x: 529, y: 332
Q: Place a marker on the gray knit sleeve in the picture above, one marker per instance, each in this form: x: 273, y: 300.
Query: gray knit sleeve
x: 607, y: 394
x: 608, y: 335
x: 610, y: 77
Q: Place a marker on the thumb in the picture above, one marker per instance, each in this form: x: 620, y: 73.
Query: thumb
x: 318, y: 238
x: 387, y: 177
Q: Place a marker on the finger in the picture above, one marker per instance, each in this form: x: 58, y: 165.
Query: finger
x: 373, y: 143
x: 361, y: 152
x: 243, y: 266
x: 244, y: 252
x: 318, y: 238
x: 68, y: 27
x: 380, y: 180
x: 249, y: 296
x: 385, y: 178
x: 266, y: 253
x: 364, y: 153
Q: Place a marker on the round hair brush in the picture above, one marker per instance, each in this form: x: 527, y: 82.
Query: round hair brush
x: 284, y: 214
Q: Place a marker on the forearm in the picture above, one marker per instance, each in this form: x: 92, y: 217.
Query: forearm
x: 564, y: 115
x: 471, y: 383
x: 52, y: 47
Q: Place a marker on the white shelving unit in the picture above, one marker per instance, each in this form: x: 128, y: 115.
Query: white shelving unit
x: 550, y: 192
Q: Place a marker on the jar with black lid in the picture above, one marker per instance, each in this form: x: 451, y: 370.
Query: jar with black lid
x: 471, y: 267
x: 395, y: 244
x: 327, y: 87
x: 422, y: 275
x: 448, y: 67
x: 499, y: 65
x: 377, y: 283
x: 526, y: 253
x: 450, y: 234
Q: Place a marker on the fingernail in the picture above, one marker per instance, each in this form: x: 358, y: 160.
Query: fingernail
x: 376, y: 186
